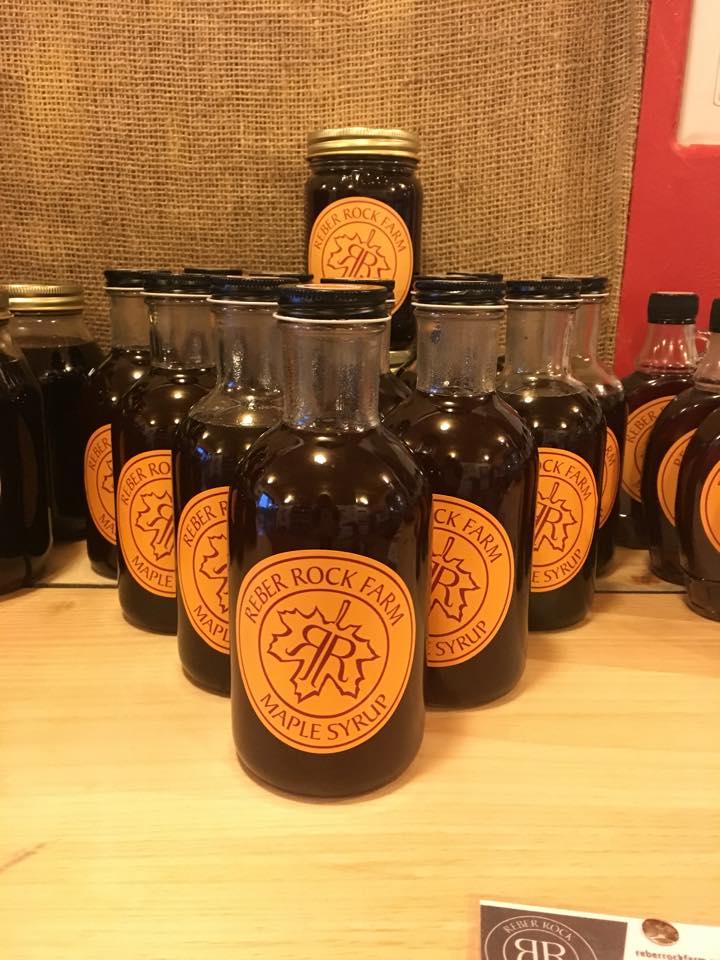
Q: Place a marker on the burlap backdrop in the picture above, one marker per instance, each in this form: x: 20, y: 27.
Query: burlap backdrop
x: 162, y: 132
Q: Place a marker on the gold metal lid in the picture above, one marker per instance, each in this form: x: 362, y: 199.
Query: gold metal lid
x: 370, y: 141
x: 45, y: 297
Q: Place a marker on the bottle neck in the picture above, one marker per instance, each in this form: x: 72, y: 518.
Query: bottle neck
x: 457, y: 350
x: 538, y: 340
x: 331, y: 378
x: 707, y: 375
x: 585, y: 332
x: 129, y: 323
x: 248, y: 349
x: 180, y: 333
x: 385, y: 348
x: 668, y: 346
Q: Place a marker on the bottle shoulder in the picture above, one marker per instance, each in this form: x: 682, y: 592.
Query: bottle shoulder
x: 644, y: 386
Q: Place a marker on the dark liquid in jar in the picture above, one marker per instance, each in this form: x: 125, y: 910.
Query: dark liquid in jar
x: 615, y: 410
x: 145, y: 420
x: 109, y: 382
x: 568, y: 420
x: 477, y: 450
x: 62, y: 370
x: 370, y: 499
x: 25, y: 538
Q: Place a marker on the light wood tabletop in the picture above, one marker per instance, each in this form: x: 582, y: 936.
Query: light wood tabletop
x: 130, y: 831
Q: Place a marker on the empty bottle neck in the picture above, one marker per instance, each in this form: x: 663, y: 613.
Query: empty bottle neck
x: 385, y: 348
x: 585, y: 331
x: 457, y: 350
x: 538, y: 339
x: 330, y: 375
x: 180, y: 333
x: 248, y: 349
x: 668, y: 346
x: 129, y: 321
x: 707, y: 375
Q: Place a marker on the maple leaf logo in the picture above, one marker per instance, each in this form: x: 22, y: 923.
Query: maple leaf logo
x: 450, y: 582
x: 156, y: 518
x: 106, y: 479
x: 326, y: 650
x: 553, y: 520
x: 355, y: 257
x: 214, y: 566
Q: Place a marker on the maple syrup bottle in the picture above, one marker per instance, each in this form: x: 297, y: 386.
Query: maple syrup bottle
x: 664, y: 368
x: 392, y: 390
x: 568, y: 426
x: 608, y: 390
x: 143, y: 430
x: 128, y: 360
x: 481, y: 462
x: 210, y: 442
x: 329, y: 527
x: 666, y: 447
x: 25, y: 537
x: 49, y: 328
x: 697, y: 515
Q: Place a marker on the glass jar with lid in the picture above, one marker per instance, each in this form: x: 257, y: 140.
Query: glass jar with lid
x: 49, y: 327
x: 363, y: 212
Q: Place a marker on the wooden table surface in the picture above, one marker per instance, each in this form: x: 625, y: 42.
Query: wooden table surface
x: 129, y: 831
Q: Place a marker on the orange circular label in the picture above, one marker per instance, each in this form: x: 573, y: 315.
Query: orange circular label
x: 640, y: 423
x: 146, y: 528
x: 202, y: 565
x: 566, y: 514
x: 360, y: 238
x: 99, y: 486
x: 471, y: 581
x: 325, y: 643
x: 710, y: 506
x: 667, y: 478
x: 610, y: 476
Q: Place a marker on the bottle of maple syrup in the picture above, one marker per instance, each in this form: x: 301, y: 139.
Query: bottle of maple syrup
x: 128, y: 360
x: 697, y: 515
x: 49, y: 328
x: 665, y: 450
x: 568, y: 426
x: 213, y: 438
x: 392, y: 390
x: 608, y: 390
x: 143, y: 430
x: 25, y: 537
x: 481, y: 462
x: 329, y: 527
x: 664, y: 368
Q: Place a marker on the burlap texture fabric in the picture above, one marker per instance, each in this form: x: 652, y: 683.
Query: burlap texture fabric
x: 168, y: 132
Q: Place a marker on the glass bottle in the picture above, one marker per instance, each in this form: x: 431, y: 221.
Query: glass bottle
x: 49, y: 328
x: 392, y: 390
x: 608, y: 390
x: 664, y: 368
x: 363, y: 212
x: 25, y: 537
x: 128, y: 360
x: 143, y: 430
x: 665, y: 450
x: 697, y: 514
x: 481, y: 462
x: 329, y: 526
x: 211, y: 440
x: 568, y: 426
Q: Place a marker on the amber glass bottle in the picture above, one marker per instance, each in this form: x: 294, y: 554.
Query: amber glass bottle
x: 568, y: 426
x: 363, y: 212
x: 128, y: 360
x: 697, y: 514
x: 143, y: 429
x: 664, y: 368
x: 49, y: 328
x: 210, y: 442
x: 329, y: 525
x: 608, y: 390
x: 665, y: 450
x: 25, y: 537
x: 481, y: 462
